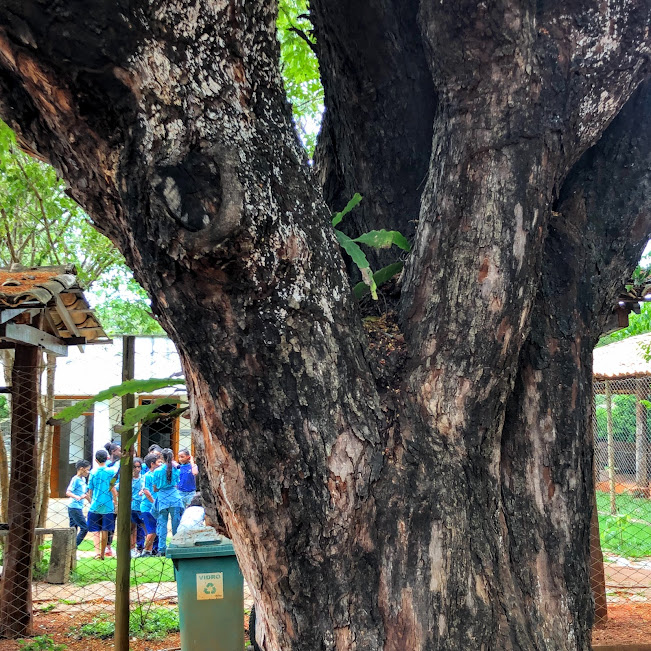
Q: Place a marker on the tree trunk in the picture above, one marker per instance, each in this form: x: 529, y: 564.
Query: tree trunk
x: 16, y: 586
x: 45, y: 458
x: 7, y: 359
x: 4, y: 481
x: 428, y: 489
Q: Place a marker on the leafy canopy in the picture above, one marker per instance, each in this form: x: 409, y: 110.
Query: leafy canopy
x: 300, y: 69
x: 41, y: 225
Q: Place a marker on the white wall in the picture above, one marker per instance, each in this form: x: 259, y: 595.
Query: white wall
x: 100, y: 367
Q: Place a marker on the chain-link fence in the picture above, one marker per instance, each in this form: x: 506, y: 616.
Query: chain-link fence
x: 622, y: 427
x: 62, y: 582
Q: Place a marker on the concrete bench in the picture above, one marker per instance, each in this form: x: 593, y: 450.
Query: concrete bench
x: 63, y: 555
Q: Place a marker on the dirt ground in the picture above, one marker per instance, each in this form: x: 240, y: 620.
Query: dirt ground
x: 628, y: 623
x: 58, y: 625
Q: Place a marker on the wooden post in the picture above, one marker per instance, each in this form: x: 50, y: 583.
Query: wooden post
x: 122, y: 585
x: 641, y: 455
x: 611, y: 448
x: 16, y: 590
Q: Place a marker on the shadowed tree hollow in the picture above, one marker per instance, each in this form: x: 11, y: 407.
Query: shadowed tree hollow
x: 434, y: 496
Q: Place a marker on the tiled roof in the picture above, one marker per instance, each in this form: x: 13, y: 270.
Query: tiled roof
x: 67, y: 311
x: 37, y: 285
x: 623, y: 359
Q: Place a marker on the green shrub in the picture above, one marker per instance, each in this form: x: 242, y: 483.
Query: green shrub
x: 145, y: 622
x: 40, y: 643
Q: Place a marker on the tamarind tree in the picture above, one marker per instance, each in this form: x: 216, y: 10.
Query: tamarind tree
x: 431, y: 490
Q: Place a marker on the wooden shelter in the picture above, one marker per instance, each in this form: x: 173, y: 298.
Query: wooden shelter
x: 41, y: 309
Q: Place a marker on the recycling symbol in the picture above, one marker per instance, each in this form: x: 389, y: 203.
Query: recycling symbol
x: 209, y: 588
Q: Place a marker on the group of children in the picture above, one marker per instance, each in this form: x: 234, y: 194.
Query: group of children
x: 160, y: 492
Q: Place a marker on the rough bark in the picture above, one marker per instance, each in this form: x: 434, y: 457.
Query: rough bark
x: 7, y: 360
x: 594, y: 237
x: 438, y: 505
x: 46, y: 438
x: 16, y: 585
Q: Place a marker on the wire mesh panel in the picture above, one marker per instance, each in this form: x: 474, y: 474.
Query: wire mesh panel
x: 68, y: 567
x: 622, y: 427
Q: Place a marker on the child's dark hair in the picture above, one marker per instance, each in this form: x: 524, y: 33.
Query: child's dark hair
x: 150, y: 460
x: 185, y: 451
x: 196, y: 500
x: 101, y: 456
x: 168, y: 457
x: 154, y: 448
x: 113, y: 447
x: 82, y: 463
x: 137, y: 460
x: 107, y: 446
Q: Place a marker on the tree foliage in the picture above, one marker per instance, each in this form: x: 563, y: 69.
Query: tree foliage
x: 122, y: 305
x: 624, y: 418
x: 117, y: 391
x: 300, y: 69
x: 40, y: 225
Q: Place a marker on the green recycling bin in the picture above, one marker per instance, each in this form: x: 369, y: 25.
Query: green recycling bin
x: 211, y: 596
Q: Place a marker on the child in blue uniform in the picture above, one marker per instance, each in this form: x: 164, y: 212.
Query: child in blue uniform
x: 137, y: 524
x: 187, y: 472
x: 170, y: 505
x: 138, y: 530
x: 77, y: 492
x: 103, y: 503
x: 152, y: 462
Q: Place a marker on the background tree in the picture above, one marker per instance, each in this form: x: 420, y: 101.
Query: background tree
x: 430, y: 491
x: 41, y: 225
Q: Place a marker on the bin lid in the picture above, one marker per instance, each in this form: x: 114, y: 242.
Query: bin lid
x: 224, y: 547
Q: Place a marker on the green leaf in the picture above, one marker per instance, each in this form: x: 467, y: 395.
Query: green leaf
x: 130, y: 386
x: 380, y: 277
x: 359, y: 258
x: 141, y: 412
x: 338, y: 216
x: 384, y: 239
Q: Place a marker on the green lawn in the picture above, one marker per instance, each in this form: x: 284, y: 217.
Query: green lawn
x: 88, y: 570
x: 143, y: 570
x: 628, y: 533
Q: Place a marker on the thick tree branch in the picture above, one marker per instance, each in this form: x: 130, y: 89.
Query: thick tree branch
x: 595, y: 240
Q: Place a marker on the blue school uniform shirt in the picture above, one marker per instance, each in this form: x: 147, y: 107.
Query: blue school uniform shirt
x: 100, y: 483
x: 168, y: 495
x: 136, y: 487
x: 148, y: 483
x: 77, y: 486
x: 187, y: 483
